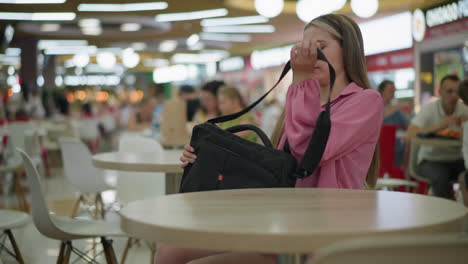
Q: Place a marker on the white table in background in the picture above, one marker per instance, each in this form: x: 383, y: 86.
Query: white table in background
x: 167, y: 163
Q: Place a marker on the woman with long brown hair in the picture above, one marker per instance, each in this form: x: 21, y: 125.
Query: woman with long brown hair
x: 350, y: 159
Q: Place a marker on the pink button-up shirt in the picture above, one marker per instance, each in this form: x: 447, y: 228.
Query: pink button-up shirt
x: 356, y: 118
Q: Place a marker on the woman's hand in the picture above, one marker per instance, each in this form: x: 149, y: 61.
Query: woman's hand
x: 188, y: 156
x: 303, y: 60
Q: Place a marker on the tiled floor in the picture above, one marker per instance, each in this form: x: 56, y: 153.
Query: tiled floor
x: 37, y: 249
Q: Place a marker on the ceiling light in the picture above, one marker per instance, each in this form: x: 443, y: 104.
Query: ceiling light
x: 106, y: 60
x: 122, y: 7
x: 170, y: 74
x: 197, y: 46
x: 130, y: 58
x: 139, y: 46
x: 40, y: 81
x: 70, y: 50
x: 81, y: 60
x: 192, y: 15
x: 233, y: 21
x: 37, y: 16
x: 307, y: 10
x: 58, y: 80
x: 155, y: 62
x: 241, y: 29
x: 89, y: 22
x: 13, y: 51
x: 168, y: 45
x: 365, y: 8
x: 50, y: 27
x: 48, y: 44
x: 11, y: 70
x: 16, y: 88
x: 269, y: 8
x: 92, y: 31
x: 193, y: 39
x: 32, y: 1
x: 183, y: 58
x: 225, y: 37
x: 126, y: 27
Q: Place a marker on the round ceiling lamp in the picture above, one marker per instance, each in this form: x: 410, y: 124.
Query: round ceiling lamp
x: 307, y: 10
x: 106, y: 60
x: 81, y: 60
x: 130, y: 58
x: 269, y: 8
x: 365, y: 8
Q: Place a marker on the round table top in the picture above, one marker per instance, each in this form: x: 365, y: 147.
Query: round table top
x: 285, y: 220
x: 140, y: 162
x: 438, y: 142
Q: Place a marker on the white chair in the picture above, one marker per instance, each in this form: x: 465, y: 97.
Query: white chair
x: 413, y: 164
x: 16, y: 133
x: 414, y: 249
x: 66, y: 229
x: 10, y: 219
x: 147, y: 184
x: 79, y: 170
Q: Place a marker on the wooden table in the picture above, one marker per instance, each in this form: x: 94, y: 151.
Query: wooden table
x: 285, y: 221
x: 168, y: 163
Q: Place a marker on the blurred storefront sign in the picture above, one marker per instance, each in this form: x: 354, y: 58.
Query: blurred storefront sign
x: 447, y: 14
x: 390, y: 60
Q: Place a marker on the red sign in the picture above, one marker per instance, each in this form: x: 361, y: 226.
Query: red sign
x: 390, y: 60
x: 460, y: 26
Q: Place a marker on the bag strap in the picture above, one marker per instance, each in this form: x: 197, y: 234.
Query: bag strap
x: 287, y: 67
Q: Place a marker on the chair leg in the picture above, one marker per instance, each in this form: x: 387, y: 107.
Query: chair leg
x: 61, y: 253
x: 23, y: 204
x: 68, y: 249
x: 76, y: 206
x: 153, y: 252
x: 108, y: 251
x: 15, y: 246
x: 99, y: 207
x: 103, y: 210
x: 127, y: 247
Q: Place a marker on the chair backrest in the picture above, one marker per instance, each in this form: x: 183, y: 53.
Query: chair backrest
x: 415, y: 249
x: 31, y: 143
x: 147, y: 184
x: 413, y: 161
x: 387, y: 148
x: 16, y: 133
x: 140, y: 144
x: 40, y: 211
x: 78, y: 166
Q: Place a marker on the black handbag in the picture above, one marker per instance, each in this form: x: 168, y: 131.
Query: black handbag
x: 227, y: 161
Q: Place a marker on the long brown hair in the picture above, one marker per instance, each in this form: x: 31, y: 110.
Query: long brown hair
x: 347, y: 32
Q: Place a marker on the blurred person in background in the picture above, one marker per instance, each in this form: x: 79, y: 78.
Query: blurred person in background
x: 440, y: 165
x: 393, y: 116
x: 271, y: 114
x: 142, y: 117
x: 230, y: 101
x: 463, y: 177
x: 209, y: 102
x: 190, y: 96
x: 34, y: 106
